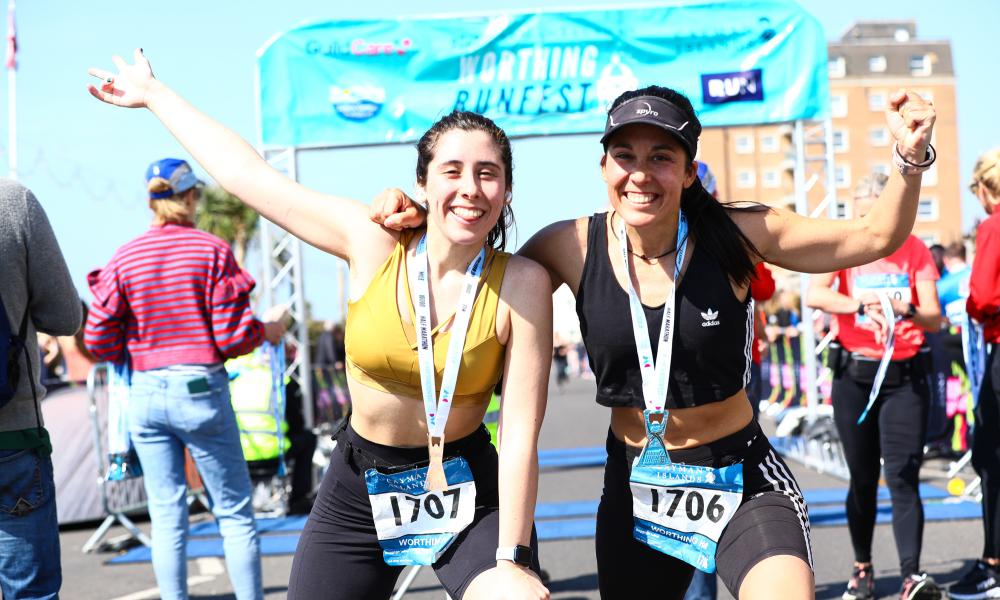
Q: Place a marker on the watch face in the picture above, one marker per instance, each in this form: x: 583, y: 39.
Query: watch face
x: 522, y: 555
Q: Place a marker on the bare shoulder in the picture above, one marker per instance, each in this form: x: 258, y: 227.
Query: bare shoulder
x: 524, y: 277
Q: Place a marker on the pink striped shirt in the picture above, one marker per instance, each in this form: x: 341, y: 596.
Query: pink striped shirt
x: 174, y: 295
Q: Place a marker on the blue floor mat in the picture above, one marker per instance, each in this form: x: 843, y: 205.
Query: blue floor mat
x: 561, y: 458
x: 198, y: 548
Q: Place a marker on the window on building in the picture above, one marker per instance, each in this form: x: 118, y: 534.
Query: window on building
x: 843, y: 210
x: 837, y: 67
x: 771, y: 178
x: 841, y: 140
x: 842, y: 176
x: 876, y: 100
x: 927, y: 209
x: 920, y: 65
x: 746, y: 178
x: 877, y: 64
x: 743, y: 144
x: 838, y: 105
x: 769, y: 143
x: 878, y: 136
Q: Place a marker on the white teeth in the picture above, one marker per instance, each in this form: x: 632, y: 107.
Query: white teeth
x: 467, y: 213
x: 640, y: 198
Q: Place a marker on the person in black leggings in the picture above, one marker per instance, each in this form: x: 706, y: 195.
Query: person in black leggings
x: 895, y: 425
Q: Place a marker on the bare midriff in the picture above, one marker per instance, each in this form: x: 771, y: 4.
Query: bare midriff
x: 394, y: 420
x: 686, y: 427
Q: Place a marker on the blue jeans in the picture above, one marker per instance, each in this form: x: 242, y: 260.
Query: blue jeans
x: 703, y: 586
x: 167, y: 413
x: 29, y: 530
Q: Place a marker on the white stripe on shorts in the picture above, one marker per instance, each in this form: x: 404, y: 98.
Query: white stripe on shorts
x: 784, y: 483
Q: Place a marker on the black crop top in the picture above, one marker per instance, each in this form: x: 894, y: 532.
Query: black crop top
x: 712, y: 336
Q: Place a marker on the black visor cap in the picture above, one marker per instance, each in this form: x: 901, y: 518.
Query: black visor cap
x: 653, y: 110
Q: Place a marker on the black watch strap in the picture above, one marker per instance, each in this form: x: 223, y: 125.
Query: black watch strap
x: 911, y: 311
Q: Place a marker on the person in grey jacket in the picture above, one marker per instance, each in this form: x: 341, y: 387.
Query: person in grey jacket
x: 34, y: 282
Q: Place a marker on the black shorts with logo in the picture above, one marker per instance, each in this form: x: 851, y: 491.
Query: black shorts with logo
x: 339, y: 557
x: 771, y: 521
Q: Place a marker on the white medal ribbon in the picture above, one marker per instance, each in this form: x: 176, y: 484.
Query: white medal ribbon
x: 655, y: 377
x: 436, y: 407
x: 890, y: 346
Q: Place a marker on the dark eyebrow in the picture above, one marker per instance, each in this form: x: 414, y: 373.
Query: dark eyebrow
x: 459, y: 163
x: 657, y: 147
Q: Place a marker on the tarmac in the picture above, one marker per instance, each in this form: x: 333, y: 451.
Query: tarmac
x: 573, y: 419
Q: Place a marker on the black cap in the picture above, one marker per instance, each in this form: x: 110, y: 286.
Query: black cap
x: 654, y: 110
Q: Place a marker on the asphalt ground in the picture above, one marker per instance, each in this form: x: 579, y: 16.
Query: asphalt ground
x: 573, y: 419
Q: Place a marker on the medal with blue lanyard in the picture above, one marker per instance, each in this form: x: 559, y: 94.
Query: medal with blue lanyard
x: 680, y: 510
x: 419, y: 512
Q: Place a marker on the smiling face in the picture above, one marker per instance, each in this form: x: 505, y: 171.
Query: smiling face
x: 465, y: 186
x: 646, y: 170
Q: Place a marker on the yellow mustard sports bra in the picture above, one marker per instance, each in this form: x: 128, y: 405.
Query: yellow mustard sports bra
x: 382, y: 350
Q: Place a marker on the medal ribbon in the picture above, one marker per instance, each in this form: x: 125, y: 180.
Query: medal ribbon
x: 437, y: 410
x: 883, y: 365
x: 655, y: 377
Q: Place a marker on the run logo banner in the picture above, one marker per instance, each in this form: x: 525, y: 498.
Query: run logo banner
x: 738, y: 86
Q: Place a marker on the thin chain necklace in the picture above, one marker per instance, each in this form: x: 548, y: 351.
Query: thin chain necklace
x: 648, y: 259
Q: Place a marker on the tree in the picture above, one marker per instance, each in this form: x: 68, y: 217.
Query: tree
x: 223, y: 214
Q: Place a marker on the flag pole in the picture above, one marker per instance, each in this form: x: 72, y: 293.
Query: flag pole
x: 11, y: 91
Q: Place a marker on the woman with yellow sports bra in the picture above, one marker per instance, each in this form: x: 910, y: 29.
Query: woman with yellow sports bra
x: 436, y: 315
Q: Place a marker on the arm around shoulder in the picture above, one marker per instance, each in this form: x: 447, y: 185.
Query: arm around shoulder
x: 561, y: 249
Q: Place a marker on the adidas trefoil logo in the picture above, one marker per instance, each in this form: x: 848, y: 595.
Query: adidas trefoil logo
x: 711, y: 318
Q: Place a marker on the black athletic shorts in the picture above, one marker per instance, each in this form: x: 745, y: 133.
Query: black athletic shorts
x: 339, y: 557
x: 771, y: 521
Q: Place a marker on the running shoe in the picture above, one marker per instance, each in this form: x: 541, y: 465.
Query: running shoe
x: 862, y: 584
x: 979, y: 583
x: 919, y: 586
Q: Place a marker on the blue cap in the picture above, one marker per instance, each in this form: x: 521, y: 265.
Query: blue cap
x: 169, y: 177
x: 707, y: 178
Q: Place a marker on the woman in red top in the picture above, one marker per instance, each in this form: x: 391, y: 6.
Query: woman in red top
x: 983, y: 305
x: 893, y: 425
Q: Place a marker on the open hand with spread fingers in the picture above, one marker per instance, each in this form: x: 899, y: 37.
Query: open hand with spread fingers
x: 129, y: 87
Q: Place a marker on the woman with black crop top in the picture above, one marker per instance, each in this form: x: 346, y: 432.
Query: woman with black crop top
x: 693, y: 430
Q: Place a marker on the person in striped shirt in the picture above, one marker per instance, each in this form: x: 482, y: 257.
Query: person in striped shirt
x: 174, y: 304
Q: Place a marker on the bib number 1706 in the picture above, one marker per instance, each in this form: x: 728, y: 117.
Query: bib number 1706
x: 432, y: 504
x: 695, y: 505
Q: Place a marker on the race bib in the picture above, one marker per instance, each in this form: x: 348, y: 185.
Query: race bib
x: 415, y: 526
x: 893, y: 285
x: 681, y: 510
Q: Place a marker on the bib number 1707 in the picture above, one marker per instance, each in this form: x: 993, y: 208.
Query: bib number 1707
x: 432, y: 504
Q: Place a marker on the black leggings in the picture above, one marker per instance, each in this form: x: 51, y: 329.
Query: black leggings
x: 771, y: 521
x: 986, y: 453
x: 339, y: 557
x: 894, y: 429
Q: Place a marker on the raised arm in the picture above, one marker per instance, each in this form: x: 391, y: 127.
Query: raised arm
x: 809, y: 245
x: 333, y: 224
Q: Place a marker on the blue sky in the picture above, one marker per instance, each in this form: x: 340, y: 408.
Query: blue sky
x: 85, y: 161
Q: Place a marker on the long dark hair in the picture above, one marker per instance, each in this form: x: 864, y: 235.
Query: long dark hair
x: 709, y: 220
x: 470, y: 121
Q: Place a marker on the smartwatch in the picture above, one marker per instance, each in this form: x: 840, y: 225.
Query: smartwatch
x: 519, y: 555
x: 861, y: 309
x: 911, y: 311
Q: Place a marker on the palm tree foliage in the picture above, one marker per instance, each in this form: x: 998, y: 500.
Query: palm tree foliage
x: 223, y: 214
